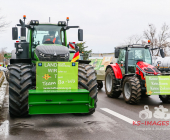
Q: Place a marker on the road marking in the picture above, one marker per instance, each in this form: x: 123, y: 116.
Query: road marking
x: 126, y: 119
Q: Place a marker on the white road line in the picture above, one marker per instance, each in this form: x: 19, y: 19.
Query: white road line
x: 126, y: 119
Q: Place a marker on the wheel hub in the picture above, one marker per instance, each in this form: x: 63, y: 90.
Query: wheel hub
x: 127, y: 90
x: 108, y: 82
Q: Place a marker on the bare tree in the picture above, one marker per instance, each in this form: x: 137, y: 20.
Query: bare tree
x: 150, y: 35
x: 158, y: 41
x: 2, y: 52
x: 3, y: 23
x: 163, y: 37
x: 134, y: 39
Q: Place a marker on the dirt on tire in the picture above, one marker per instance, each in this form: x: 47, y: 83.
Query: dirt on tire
x: 134, y: 90
x: 20, y: 81
x: 87, y: 80
x: 113, y: 93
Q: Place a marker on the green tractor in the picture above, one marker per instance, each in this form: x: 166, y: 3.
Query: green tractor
x: 43, y: 78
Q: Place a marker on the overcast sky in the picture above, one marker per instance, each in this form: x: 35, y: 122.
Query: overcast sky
x: 106, y: 23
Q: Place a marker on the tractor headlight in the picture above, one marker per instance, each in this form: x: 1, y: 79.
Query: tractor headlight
x: 59, y: 23
x: 62, y: 23
x: 34, y: 22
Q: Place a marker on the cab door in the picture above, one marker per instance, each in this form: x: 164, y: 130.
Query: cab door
x: 121, y: 60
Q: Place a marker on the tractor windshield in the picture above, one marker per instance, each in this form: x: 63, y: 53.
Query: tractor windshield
x: 139, y: 53
x: 48, y: 34
x: 134, y: 55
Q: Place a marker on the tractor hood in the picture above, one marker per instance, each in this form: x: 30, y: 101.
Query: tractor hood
x: 52, y: 53
x: 146, y: 68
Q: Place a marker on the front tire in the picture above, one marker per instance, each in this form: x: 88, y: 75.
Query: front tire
x: 19, y: 83
x: 132, y: 90
x: 87, y: 80
x: 165, y: 98
x: 110, y: 84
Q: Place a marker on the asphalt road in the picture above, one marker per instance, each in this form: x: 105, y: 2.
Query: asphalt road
x: 112, y: 120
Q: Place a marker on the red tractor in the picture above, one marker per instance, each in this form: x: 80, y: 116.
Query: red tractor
x: 128, y: 74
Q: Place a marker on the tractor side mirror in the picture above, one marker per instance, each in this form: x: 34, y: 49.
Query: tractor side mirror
x: 14, y: 33
x: 80, y: 34
x: 116, y: 53
x: 162, y: 53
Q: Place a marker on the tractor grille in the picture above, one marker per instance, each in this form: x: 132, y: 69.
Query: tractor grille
x: 52, y: 53
x: 148, y: 70
x: 49, y: 57
x: 156, y: 70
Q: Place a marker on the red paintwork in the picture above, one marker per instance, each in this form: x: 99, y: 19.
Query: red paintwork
x: 144, y: 65
x: 117, y: 71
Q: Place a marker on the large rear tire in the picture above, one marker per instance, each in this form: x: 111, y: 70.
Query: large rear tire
x: 19, y: 83
x: 87, y: 80
x: 165, y: 98
x: 131, y: 90
x: 110, y: 84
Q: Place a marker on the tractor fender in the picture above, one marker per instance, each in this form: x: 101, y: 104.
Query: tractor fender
x: 116, y: 69
x: 126, y: 75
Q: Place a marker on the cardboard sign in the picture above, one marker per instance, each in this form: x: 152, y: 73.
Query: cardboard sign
x: 56, y: 75
x: 100, y: 65
x: 158, y: 85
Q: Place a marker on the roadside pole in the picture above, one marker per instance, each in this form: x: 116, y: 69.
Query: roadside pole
x: 4, y: 62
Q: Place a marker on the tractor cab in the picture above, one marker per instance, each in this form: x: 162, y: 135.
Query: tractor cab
x: 135, y: 53
x: 44, y: 41
x: 128, y: 75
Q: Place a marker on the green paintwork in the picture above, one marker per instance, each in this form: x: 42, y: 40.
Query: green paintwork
x: 59, y: 101
x: 71, y: 56
x: 61, y: 97
x: 65, y: 39
x: 58, y: 109
x: 36, y: 57
x: 7, y: 55
x: 158, y: 85
x: 56, y: 75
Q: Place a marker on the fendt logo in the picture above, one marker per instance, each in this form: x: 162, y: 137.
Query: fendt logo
x: 46, y: 76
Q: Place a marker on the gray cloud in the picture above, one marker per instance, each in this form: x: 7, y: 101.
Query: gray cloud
x: 106, y: 23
